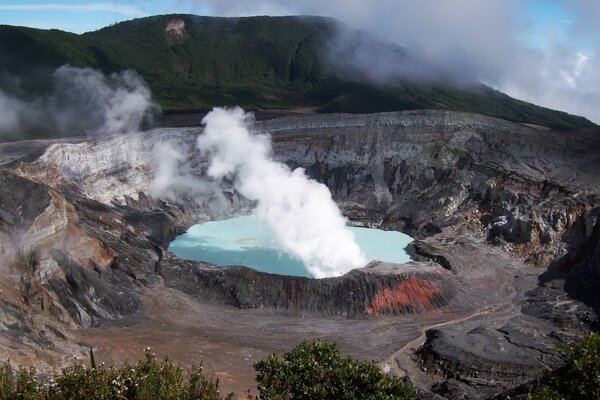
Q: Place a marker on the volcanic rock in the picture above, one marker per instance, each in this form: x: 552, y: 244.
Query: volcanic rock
x: 492, y: 204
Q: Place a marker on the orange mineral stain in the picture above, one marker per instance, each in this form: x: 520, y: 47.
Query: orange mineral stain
x: 412, y: 292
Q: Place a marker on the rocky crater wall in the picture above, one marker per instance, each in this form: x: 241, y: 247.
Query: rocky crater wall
x: 100, y: 233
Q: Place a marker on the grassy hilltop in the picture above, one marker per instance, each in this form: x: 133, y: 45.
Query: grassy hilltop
x: 254, y: 62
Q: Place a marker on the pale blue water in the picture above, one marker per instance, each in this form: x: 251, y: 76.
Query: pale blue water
x: 247, y: 241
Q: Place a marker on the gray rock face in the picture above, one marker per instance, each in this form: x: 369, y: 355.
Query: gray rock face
x: 488, y: 359
x: 506, y: 358
x: 423, y: 167
x: 83, y: 236
x: 378, y: 289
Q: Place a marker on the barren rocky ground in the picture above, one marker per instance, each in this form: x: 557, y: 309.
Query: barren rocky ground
x: 507, y: 252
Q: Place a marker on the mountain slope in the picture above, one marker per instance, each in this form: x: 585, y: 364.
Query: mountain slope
x: 195, y: 63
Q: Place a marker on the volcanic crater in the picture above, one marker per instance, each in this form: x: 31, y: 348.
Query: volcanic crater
x: 507, y: 251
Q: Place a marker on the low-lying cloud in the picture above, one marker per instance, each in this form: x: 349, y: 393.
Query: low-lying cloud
x: 358, y: 56
x: 80, y: 101
x: 461, y: 40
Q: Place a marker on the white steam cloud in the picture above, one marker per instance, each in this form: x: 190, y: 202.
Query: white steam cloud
x: 174, y: 178
x: 12, y: 109
x: 300, y: 211
x: 82, y: 101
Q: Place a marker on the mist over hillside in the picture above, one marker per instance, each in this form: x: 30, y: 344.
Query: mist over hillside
x: 308, y: 64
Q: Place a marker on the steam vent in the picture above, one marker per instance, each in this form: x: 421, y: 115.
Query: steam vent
x: 454, y: 241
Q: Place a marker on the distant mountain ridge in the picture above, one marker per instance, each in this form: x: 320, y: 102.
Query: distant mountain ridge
x: 194, y: 63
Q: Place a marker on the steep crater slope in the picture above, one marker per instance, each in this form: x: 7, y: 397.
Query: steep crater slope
x: 83, y: 240
x: 421, y: 171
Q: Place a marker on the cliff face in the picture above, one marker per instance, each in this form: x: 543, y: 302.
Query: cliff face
x: 378, y: 289
x: 84, y: 232
x: 413, y: 170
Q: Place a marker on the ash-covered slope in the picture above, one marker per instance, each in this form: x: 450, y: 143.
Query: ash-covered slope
x: 83, y: 241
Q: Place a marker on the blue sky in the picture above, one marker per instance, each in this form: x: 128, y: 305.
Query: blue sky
x: 548, y: 18
x: 78, y: 17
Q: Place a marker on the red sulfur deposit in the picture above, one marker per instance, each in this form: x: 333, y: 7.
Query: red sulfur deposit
x: 413, y: 292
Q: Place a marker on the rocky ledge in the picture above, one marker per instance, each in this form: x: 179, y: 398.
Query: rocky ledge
x: 377, y: 289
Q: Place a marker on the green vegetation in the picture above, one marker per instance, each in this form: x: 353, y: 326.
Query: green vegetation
x: 312, y: 370
x: 579, y: 378
x: 317, y: 371
x: 254, y: 62
x: 148, y: 379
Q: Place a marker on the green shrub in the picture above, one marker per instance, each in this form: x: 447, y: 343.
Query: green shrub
x: 580, y: 376
x: 312, y: 370
x: 147, y: 379
x: 317, y: 370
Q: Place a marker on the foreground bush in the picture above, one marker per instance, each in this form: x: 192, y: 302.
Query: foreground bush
x: 316, y: 370
x: 148, y: 379
x: 579, y: 378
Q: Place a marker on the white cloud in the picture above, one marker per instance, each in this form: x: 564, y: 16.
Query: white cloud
x: 471, y: 39
x: 559, y: 78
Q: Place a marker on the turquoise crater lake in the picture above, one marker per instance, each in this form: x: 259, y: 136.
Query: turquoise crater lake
x: 248, y: 241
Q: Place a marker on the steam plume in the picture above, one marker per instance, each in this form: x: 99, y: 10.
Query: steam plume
x: 82, y: 101
x: 174, y: 178
x: 300, y: 211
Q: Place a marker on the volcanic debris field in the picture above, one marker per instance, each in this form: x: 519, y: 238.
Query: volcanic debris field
x: 505, y: 218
